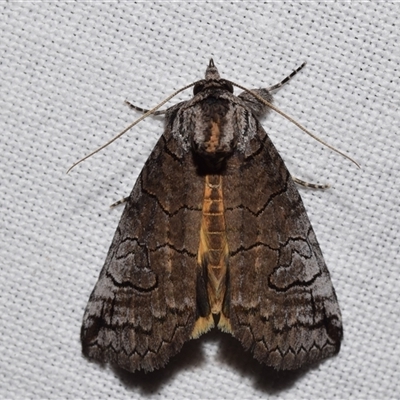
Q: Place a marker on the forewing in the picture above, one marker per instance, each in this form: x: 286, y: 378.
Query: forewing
x: 143, y: 307
x: 281, y: 302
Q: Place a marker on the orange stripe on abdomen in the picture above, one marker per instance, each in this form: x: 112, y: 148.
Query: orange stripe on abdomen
x: 213, y: 247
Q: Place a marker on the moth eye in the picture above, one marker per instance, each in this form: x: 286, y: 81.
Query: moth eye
x: 196, y: 89
x: 228, y: 86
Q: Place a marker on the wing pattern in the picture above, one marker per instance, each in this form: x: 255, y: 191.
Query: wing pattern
x: 282, y: 304
x: 143, y: 306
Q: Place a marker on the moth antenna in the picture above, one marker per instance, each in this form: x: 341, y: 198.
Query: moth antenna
x: 144, y: 110
x: 277, y: 110
x: 133, y: 124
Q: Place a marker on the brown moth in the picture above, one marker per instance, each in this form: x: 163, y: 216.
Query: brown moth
x: 214, y: 234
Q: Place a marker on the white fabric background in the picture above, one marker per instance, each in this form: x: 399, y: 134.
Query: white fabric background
x: 66, y: 69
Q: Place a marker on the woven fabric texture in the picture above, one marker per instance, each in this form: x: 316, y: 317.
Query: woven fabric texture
x: 66, y: 69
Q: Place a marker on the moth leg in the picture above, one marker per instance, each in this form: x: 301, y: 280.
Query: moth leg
x: 310, y: 185
x: 143, y: 110
x: 117, y: 203
x: 276, y: 87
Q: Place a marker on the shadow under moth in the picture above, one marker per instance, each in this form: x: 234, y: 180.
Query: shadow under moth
x: 214, y: 234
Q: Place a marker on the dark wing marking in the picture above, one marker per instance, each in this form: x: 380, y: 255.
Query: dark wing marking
x: 281, y: 302
x: 143, y: 307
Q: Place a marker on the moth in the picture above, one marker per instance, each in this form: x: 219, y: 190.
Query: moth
x: 214, y: 234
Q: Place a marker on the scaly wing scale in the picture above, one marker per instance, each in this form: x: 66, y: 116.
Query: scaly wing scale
x: 143, y: 306
x: 282, y: 305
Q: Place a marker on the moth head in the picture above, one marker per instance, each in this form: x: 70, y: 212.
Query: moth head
x: 212, y: 81
x: 211, y: 71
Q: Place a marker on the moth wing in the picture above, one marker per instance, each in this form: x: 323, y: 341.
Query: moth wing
x: 143, y: 307
x: 281, y: 302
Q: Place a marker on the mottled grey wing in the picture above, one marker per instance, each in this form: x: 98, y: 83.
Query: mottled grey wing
x: 281, y: 302
x: 143, y: 307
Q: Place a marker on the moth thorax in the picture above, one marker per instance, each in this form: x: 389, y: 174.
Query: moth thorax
x: 216, y: 140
